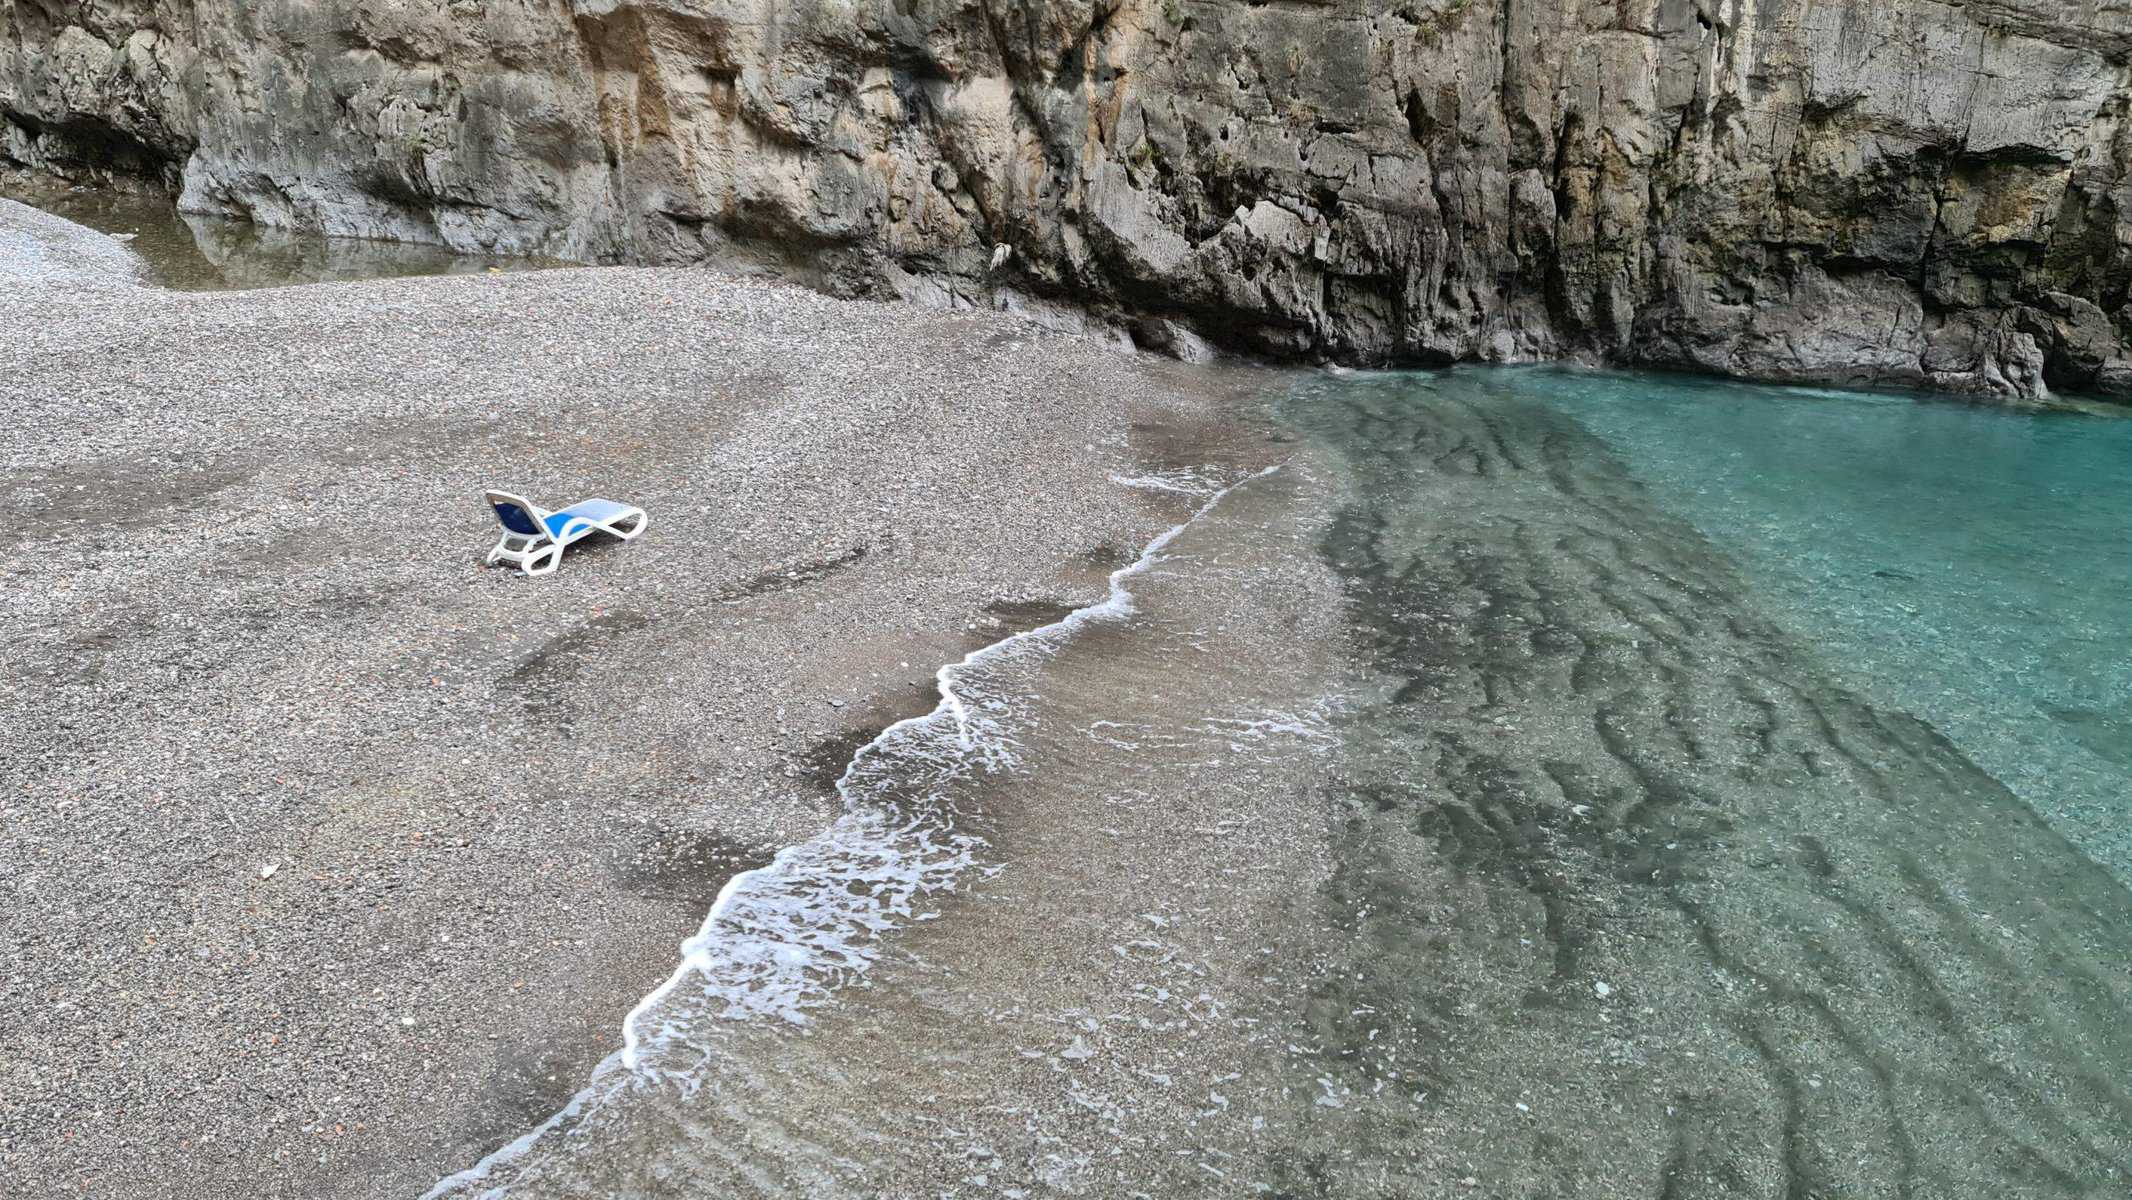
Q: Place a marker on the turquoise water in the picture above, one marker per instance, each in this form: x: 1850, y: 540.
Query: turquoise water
x: 1508, y: 783
x: 1969, y: 564
x: 1730, y: 794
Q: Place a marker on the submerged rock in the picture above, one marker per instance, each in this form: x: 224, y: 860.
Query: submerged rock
x: 1909, y: 192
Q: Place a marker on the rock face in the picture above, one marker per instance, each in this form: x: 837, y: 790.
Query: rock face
x: 1872, y: 191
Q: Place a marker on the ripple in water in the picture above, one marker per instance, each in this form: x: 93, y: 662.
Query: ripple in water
x: 1652, y: 882
x: 1971, y: 564
x: 1488, y: 804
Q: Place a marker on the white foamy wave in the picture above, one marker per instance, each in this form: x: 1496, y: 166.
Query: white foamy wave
x: 1312, y: 726
x: 1189, y: 481
x: 783, y: 938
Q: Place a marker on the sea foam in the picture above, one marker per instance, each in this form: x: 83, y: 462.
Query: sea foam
x: 784, y: 938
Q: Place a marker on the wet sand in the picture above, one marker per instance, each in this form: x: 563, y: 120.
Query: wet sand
x: 333, y: 859
x: 1096, y: 1011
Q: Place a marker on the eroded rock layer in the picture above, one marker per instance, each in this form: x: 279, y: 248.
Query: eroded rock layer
x: 1901, y: 191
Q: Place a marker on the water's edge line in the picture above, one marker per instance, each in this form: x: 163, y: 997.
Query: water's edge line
x: 1117, y: 602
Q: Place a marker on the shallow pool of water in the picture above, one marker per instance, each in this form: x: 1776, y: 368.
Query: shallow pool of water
x: 195, y: 253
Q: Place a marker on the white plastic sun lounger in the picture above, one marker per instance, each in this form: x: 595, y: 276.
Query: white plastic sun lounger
x: 533, y: 538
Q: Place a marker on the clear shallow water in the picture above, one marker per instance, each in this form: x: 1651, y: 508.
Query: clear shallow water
x: 1970, y: 565
x: 192, y: 253
x: 1688, y: 900
x: 1481, y: 805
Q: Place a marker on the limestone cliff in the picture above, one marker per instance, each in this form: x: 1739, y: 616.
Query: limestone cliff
x: 1889, y: 191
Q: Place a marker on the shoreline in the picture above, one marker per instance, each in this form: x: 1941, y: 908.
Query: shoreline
x: 236, y: 511
x: 796, y: 990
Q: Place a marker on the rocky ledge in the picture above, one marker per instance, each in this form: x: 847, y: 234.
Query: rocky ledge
x: 1904, y: 192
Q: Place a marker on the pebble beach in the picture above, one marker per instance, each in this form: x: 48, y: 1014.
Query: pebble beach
x: 332, y: 857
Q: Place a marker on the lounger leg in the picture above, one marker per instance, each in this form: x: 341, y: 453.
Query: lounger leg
x: 512, y: 549
x: 544, y: 560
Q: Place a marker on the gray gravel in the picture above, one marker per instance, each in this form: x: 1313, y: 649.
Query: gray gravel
x: 332, y: 858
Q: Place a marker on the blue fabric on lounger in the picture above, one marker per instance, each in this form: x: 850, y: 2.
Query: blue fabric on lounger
x: 591, y: 511
x: 516, y: 519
